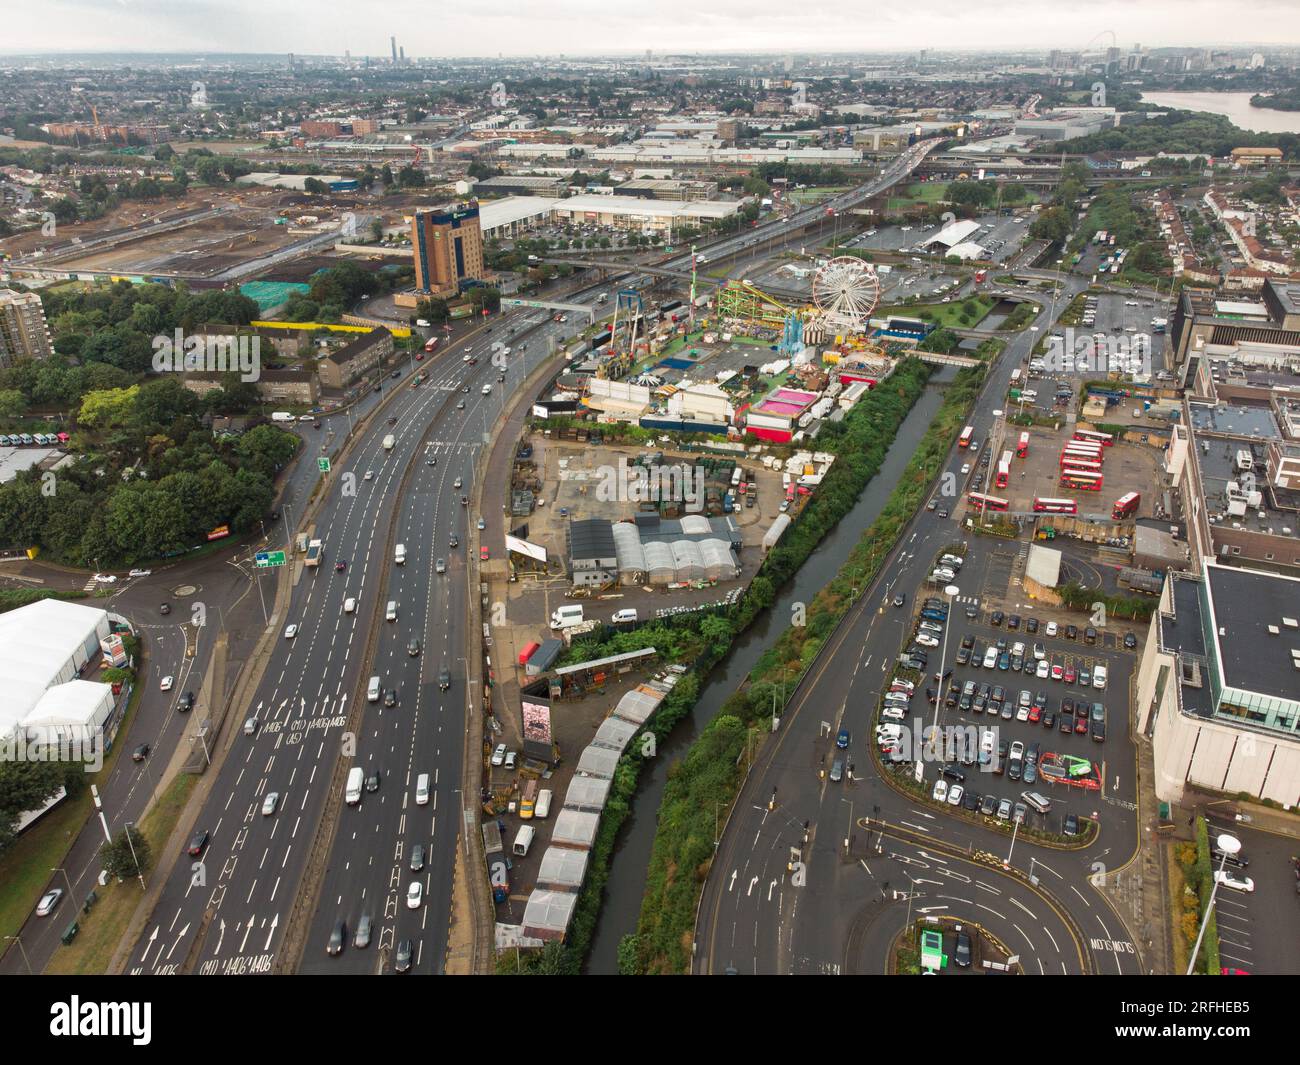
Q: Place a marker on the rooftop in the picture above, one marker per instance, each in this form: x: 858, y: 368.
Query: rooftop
x: 1246, y: 606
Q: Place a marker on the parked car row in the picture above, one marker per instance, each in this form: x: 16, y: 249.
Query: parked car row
x: 32, y: 439
x: 1033, y: 661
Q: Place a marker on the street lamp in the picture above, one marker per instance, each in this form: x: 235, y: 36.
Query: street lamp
x: 23, y: 950
x: 951, y: 591
x: 1228, y: 848
x: 134, y: 857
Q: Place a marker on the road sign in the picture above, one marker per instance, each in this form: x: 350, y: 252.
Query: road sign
x: 268, y: 559
x: 323, y: 464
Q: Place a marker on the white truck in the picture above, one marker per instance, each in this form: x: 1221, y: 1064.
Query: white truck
x: 281, y: 416
x: 389, y: 441
x: 314, y: 551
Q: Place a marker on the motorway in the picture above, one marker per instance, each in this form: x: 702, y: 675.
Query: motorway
x: 752, y: 918
x: 251, y: 871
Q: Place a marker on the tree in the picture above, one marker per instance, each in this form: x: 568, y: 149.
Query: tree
x: 208, y: 171
x: 12, y: 403
x: 28, y: 785
x: 1051, y: 225
x: 315, y: 186
x: 108, y: 409
x: 128, y: 855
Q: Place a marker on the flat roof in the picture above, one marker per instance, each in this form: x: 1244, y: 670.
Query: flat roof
x: 1245, y: 603
x: 494, y: 213
x: 630, y: 205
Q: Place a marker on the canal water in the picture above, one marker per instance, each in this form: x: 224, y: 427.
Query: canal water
x: 627, y: 877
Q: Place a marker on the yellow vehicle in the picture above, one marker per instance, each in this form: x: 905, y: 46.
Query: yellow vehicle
x: 529, y: 801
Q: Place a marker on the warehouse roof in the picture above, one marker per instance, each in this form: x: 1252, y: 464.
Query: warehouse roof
x: 638, y: 208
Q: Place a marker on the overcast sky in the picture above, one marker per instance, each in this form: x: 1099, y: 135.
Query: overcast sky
x: 580, y: 27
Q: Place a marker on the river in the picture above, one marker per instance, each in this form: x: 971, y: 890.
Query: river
x: 627, y: 876
x: 1235, y: 106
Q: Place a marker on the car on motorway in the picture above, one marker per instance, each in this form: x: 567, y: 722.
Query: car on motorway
x: 166, y: 683
x: 842, y: 739
x: 417, y: 857
x: 185, y: 703
x: 1233, y: 879
x: 373, y: 781
x: 460, y: 405
x: 483, y: 554
x: 164, y: 608
x: 444, y: 679
x: 403, y: 955
x: 290, y: 632
x: 457, y: 483
x: 483, y: 525
x: 499, y: 754
x: 453, y: 542
x: 141, y: 752
x: 198, y: 843
x: 440, y: 566
x: 364, y: 928
x: 899, y: 599
x: 49, y: 902
x: 413, y: 648
x: 338, y: 936
x: 271, y: 803
x: 370, y: 475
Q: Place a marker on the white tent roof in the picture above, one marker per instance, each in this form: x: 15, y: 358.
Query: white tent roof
x: 41, y: 645
x: 72, y: 709
x: 562, y: 867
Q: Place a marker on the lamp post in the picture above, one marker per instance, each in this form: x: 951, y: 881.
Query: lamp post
x: 23, y: 950
x: 134, y: 857
x: 1228, y: 847
x: 951, y: 591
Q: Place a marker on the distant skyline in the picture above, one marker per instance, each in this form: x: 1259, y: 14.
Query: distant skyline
x: 596, y: 27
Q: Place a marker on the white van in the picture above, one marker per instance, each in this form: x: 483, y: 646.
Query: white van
x: 372, y: 692
x: 543, y: 803
x: 349, y: 606
x: 422, y: 789
x: 399, y: 554
x: 524, y: 840
x: 356, y: 776
x: 391, y: 613
x: 566, y: 616
x: 623, y: 617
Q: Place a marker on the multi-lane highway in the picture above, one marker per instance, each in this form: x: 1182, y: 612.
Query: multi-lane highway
x: 252, y: 863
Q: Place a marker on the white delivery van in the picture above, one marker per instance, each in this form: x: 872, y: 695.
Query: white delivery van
x: 623, y: 617
x: 391, y: 613
x: 352, y: 796
x: 422, y: 789
x: 349, y: 606
x: 543, y: 803
x: 524, y: 840
x: 399, y: 554
x: 566, y: 616
x: 372, y: 692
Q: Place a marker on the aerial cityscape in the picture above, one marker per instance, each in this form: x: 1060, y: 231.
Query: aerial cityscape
x: 752, y: 499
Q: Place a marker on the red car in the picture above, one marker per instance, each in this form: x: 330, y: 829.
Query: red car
x: 339, y: 567
x: 1057, y: 672
x: 1070, y: 675
x: 483, y: 553
x: 420, y: 357
x: 1081, y: 722
x: 1035, y: 713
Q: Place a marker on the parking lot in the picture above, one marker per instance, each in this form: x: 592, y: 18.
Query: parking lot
x: 1028, y: 681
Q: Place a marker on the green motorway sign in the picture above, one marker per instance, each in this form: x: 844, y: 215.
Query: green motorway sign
x: 324, y: 465
x: 268, y: 559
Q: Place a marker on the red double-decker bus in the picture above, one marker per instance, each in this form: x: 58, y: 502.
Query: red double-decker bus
x: 1070, y: 455
x: 980, y: 501
x: 1082, y: 465
x: 1055, y: 506
x: 1125, y: 506
x: 966, y: 434
x: 1004, y: 469
x: 1105, y: 439
x: 1022, y: 448
x: 1079, y: 481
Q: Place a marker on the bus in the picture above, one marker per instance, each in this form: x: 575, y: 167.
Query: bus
x: 1083, y: 445
x: 1022, y: 448
x: 1080, y: 481
x: 1125, y: 506
x: 1055, y: 506
x: 1080, y: 466
x: 966, y: 434
x: 980, y: 501
x: 1095, y: 437
x: 1068, y: 456
x: 431, y: 343
x: 1004, y: 469
x: 1092, y: 454
x: 1091, y: 445
x: 1016, y: 375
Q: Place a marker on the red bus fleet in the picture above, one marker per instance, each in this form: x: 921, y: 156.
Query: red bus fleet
x: 1125, y: 506
x: 1055, y: 506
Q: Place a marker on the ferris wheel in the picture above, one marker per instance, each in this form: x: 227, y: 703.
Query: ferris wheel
x: 845, y: 291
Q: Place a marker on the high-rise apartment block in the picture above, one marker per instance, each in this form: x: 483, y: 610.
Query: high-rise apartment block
x: 23, y: 332
x: 448, y: 247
